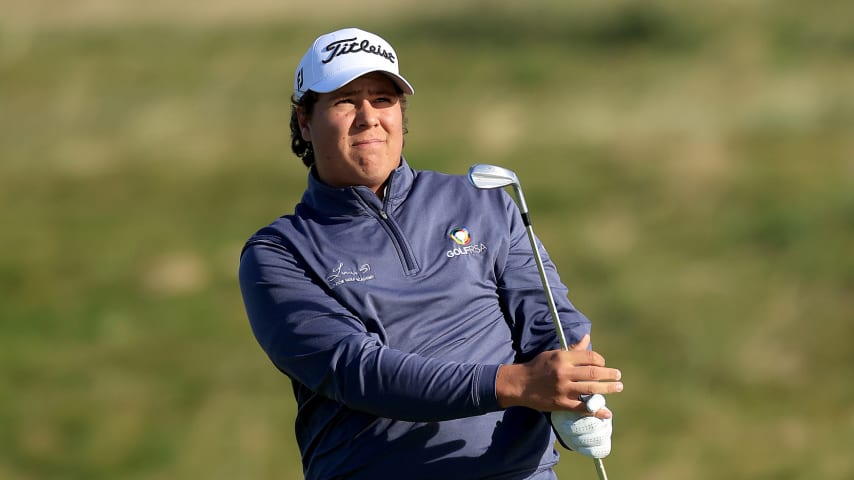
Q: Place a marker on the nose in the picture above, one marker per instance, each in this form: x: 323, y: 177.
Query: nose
x: 366, y: 114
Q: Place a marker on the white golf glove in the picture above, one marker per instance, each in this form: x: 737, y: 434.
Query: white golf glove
x: 584, y: 434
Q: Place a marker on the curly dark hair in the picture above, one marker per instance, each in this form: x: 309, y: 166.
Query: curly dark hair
x: 304, y: 149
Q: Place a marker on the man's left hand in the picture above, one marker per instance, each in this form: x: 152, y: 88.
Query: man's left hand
x: 585, y: 434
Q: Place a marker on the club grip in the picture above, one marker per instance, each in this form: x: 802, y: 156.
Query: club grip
x: 593, y: 402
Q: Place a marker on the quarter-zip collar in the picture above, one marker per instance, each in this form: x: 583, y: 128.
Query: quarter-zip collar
x: 334, y: 202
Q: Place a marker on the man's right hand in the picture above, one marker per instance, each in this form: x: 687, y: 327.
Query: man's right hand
x: 555, y: 379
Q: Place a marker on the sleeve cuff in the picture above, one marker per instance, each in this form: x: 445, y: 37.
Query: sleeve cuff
x: 486, y: 398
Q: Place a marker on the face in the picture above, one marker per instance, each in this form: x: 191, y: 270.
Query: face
x: 356, y: 132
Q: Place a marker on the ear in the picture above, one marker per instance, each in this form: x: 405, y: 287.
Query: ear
x: 304, y: 128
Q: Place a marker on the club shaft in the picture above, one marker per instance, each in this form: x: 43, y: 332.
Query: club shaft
x: 600, y: 468
x: 491, y: 176
x: 523, y: 207
x: 547, y: 288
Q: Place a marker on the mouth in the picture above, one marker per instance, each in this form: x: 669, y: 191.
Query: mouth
x: 368, y: 142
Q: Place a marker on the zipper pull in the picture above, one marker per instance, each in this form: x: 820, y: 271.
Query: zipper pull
x: 383, y: 214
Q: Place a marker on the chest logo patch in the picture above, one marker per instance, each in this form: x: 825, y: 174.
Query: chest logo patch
x: 464, y: 246
x: 460, y: 235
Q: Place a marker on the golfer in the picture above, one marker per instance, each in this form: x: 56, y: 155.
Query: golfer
x: 405, y: 305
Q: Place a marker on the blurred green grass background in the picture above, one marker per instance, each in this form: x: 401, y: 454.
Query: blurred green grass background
x: 690, y: 166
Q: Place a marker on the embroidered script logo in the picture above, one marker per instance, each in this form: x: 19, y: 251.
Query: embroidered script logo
x: 462, y: 237
x: 341, y: 275
x: 352, y: 45
x: 299, y: 79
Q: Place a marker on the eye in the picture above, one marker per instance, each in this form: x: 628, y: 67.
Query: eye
x: 384, y: 100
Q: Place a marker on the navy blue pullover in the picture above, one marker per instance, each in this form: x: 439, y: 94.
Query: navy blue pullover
x: 391, y: 318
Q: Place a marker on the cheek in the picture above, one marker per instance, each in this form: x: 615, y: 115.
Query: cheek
x: 394, y: 124
x: 329, y: 131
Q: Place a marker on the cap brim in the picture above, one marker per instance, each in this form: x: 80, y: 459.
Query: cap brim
x: 346, y: 76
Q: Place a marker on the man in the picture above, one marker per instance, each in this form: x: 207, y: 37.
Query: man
x: 405, y: 305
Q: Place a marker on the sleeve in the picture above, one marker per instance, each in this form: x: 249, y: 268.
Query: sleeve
x: 525, y: 303
x: 317, y: 342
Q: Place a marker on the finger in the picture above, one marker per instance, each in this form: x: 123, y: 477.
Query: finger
x: 590, y: 432
x: 601, y: 451
x: 592, y: 387
x: 584, y: 357
x: 581, y: 409
x: 603, y: 413
x: 584, y: 344
x: 592, y: 372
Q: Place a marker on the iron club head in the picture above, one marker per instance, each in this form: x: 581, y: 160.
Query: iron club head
x: 491, y: 176
x: 483, y: 176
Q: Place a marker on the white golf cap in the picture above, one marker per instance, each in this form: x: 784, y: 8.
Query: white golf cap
x: 338, y: 58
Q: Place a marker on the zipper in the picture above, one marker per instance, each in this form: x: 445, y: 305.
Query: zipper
x: 395, y: 234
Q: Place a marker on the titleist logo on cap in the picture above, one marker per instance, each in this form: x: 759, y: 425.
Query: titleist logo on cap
x: 352, y: 45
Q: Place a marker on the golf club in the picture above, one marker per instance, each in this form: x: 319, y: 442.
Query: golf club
x: 485, y: 176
